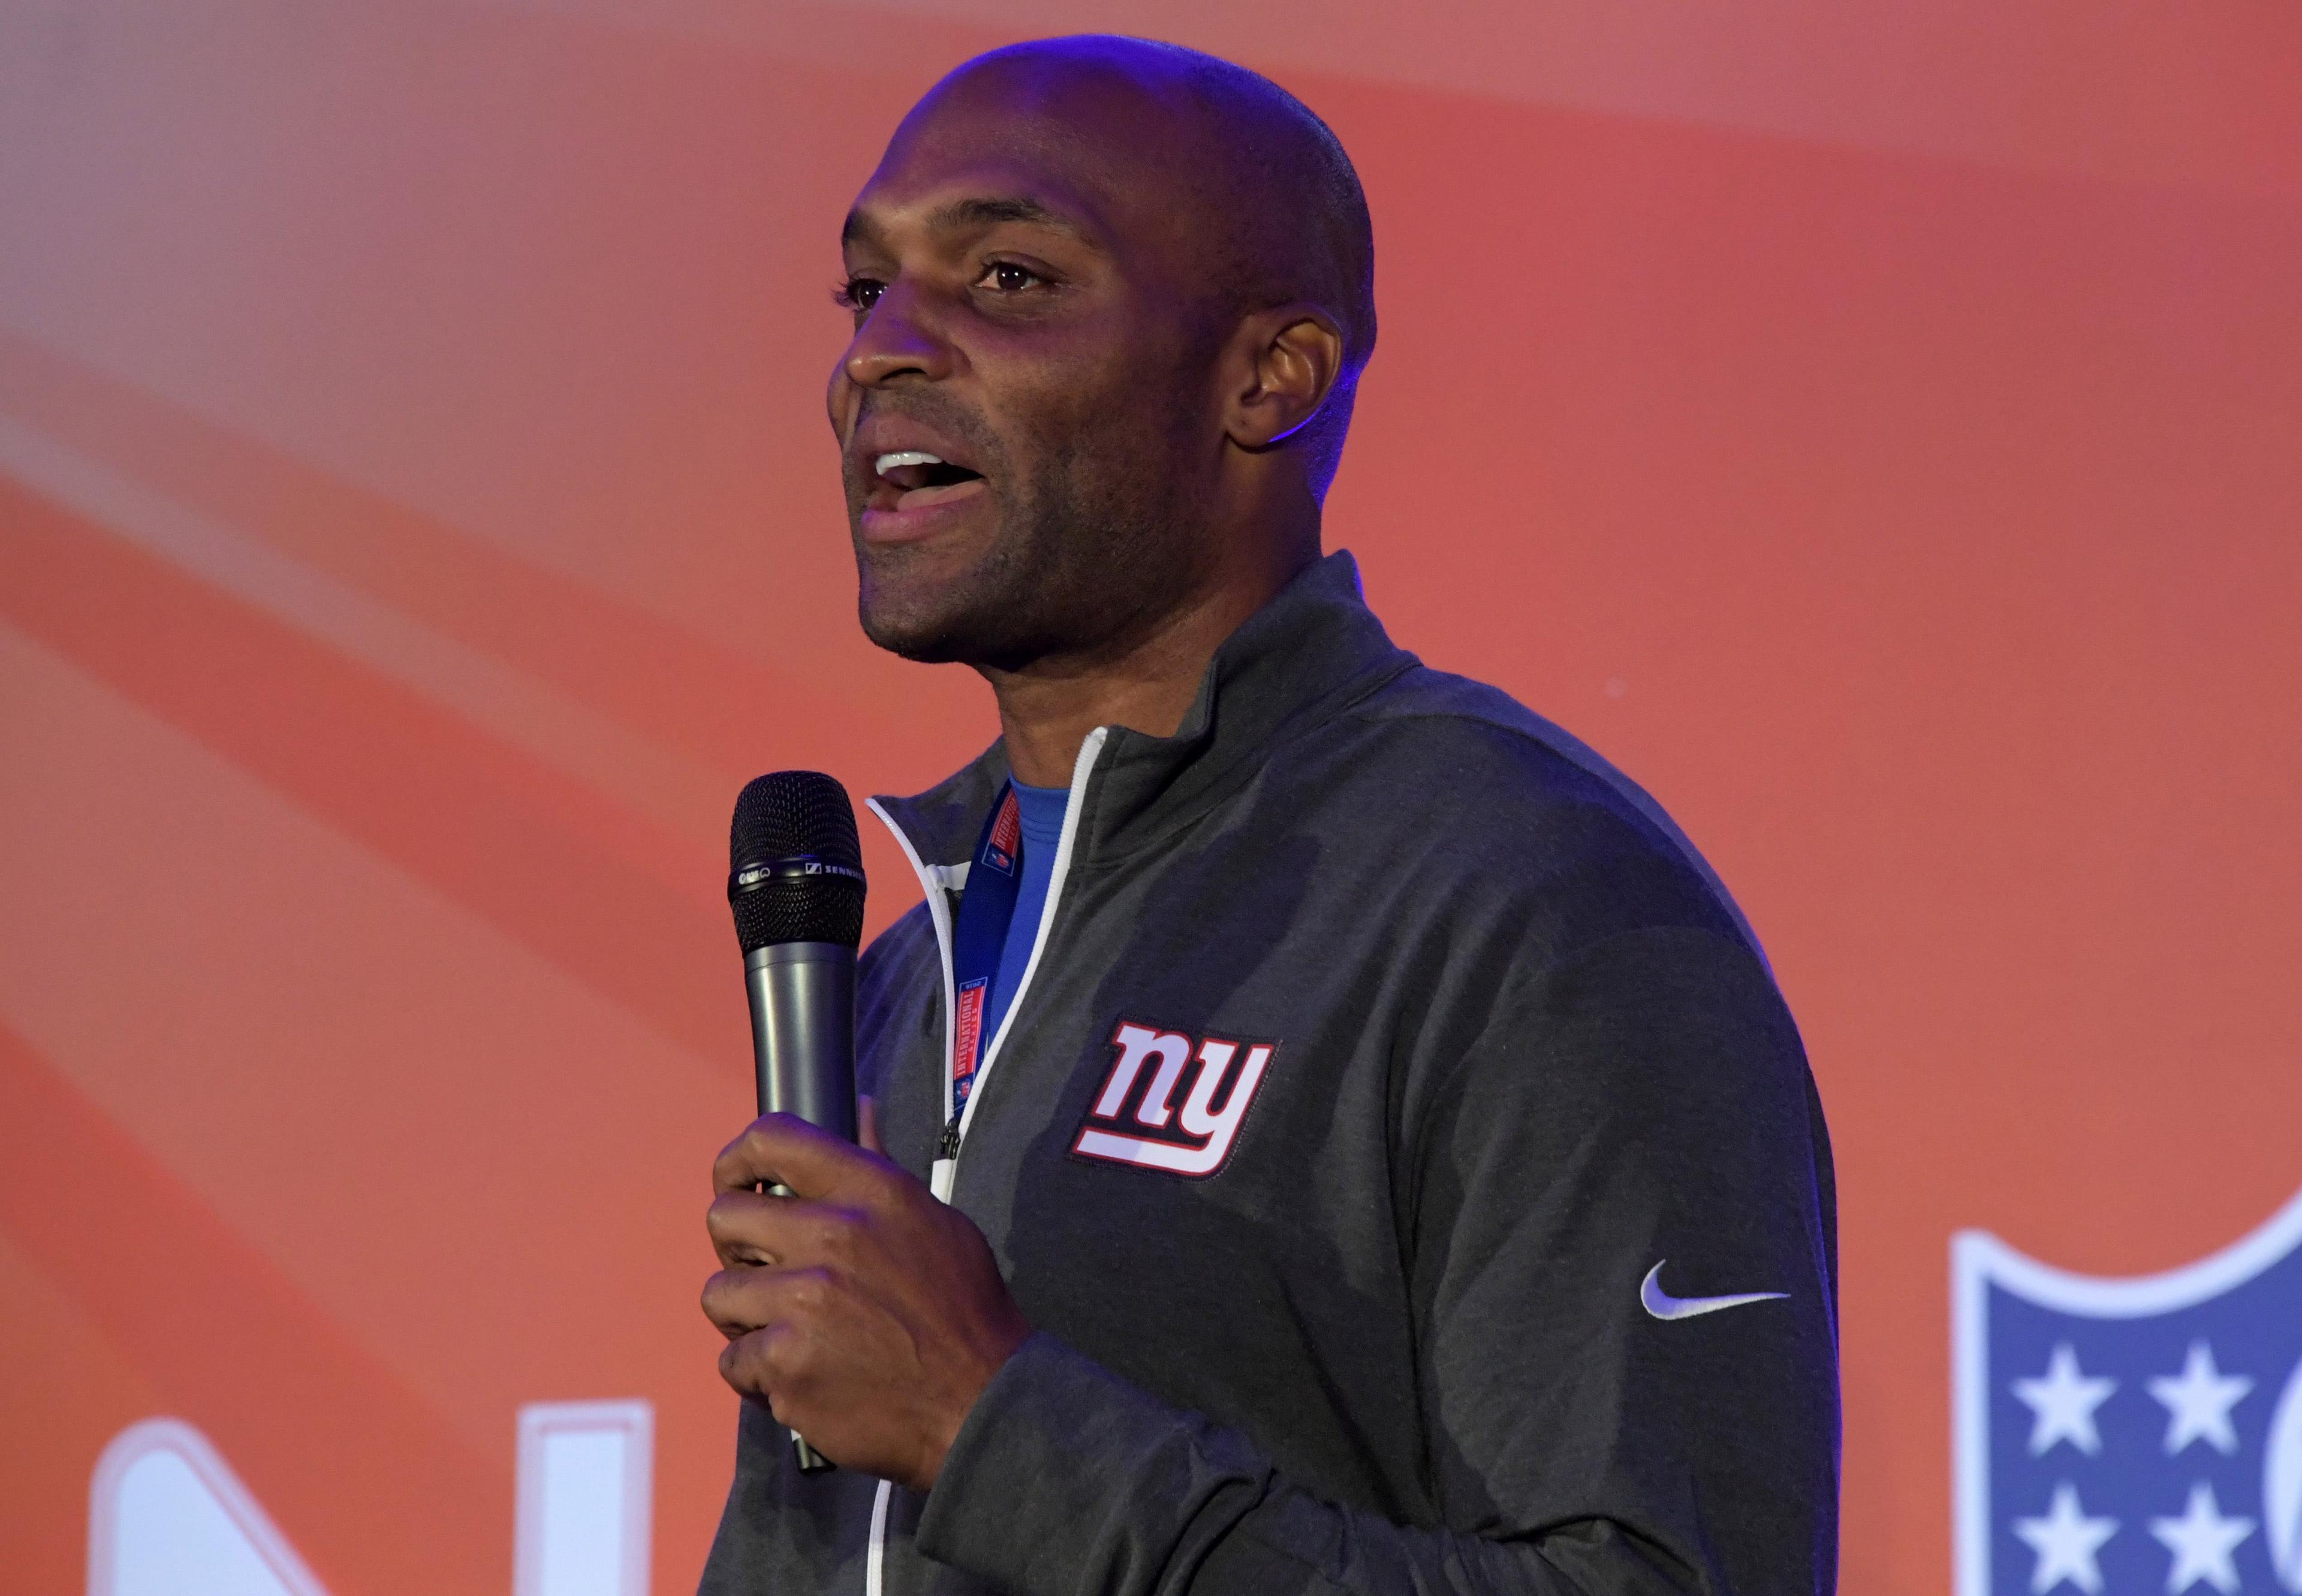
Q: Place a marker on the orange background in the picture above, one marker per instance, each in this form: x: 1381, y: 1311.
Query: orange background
x: 1878, y: 429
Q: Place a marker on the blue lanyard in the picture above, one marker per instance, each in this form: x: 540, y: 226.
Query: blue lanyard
x: 986, y: 910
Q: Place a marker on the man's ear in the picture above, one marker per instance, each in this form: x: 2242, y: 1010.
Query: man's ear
x: 1293, y: 357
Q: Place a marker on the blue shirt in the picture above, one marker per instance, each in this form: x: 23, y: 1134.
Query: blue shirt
x: 1041, y: 811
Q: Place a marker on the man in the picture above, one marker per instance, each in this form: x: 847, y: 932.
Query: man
x: 1374, y: 1155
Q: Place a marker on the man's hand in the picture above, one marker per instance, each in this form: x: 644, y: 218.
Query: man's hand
x: 866, y: 1315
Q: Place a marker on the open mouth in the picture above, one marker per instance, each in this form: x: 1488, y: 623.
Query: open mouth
x: 912, y: 479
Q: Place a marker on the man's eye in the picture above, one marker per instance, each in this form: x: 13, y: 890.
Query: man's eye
x: 857, y: 293
x: 1009, y: 278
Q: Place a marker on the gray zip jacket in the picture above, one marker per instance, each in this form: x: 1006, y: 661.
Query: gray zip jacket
x: 1392, y: 1115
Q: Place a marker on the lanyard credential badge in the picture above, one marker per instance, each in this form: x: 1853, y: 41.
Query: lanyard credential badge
x: 985, y: 912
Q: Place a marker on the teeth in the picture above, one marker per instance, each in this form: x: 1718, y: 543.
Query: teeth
x: 906, y: 457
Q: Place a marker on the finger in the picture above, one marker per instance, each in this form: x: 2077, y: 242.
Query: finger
x: 867, y: 1125
x: 758, y: 1365
x: 751, y: 1228
x: 740, y: 1301
x: 782, y: 1149
x: 739, y: 1223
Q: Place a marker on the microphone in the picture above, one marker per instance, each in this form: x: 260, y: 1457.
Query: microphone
x: 796, y: 883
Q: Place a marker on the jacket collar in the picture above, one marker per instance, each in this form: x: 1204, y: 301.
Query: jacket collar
x: 1299, y: 660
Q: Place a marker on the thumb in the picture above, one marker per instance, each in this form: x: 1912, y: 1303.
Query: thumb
x: 867, y: 1125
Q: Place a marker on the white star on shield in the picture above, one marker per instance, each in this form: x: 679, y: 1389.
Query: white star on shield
x: 2198, y: 1402
x: 2064, y: 1401
x: 2202, y: 1541
x: 2066, y: 1542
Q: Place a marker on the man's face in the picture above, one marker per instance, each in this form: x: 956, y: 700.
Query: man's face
x: 1027, y: 411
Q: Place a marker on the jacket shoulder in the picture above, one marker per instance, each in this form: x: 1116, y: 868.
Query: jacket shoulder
x: 1525, y: 797
x: 1476, y: 723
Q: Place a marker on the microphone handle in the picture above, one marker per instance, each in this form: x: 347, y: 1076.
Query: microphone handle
x: 803, y: 1031
x: 803, y: 1050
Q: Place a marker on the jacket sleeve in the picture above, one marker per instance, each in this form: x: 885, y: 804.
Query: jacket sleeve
x: 1644, y: 1102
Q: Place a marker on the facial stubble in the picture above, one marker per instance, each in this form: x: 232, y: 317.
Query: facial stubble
x: 1097, y: 542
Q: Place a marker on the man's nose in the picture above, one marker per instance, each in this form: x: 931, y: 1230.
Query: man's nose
x: 897, y: 338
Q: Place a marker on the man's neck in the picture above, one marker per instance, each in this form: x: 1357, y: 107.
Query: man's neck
x: 1046, y: 710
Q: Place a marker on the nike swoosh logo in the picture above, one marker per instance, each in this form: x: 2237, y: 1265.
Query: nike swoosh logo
x: 1662, y: 1305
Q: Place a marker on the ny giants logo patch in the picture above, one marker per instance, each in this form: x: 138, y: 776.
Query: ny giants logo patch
x: 1173, y: 1102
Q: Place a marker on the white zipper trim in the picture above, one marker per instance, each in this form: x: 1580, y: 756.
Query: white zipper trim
x: 1081, y: 768
x: 934, y: 879
x: 875, y: 1557
x: 931, y: 879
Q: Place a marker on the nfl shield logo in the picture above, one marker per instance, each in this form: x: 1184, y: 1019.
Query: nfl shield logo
x: 2140, y: 1435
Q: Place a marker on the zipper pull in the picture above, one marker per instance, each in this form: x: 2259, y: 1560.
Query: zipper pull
x: 944, y: 1174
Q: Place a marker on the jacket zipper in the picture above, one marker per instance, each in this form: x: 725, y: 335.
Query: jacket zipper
x: 934, y: 879
x: 944, y: 1175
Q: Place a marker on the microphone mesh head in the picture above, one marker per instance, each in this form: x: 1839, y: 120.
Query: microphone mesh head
x: 784, y: 822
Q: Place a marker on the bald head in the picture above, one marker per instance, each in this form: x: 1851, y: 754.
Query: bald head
x: 1118, y: 294
x: 1255, y: 190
